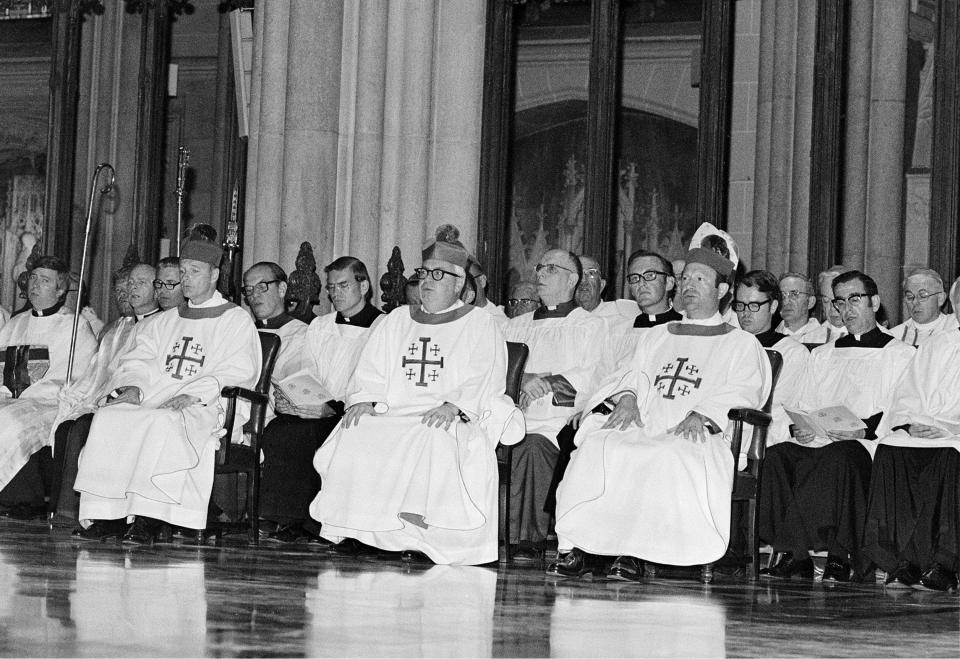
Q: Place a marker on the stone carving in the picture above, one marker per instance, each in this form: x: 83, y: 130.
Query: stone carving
x: 393, y: 283
x: 303, y: 285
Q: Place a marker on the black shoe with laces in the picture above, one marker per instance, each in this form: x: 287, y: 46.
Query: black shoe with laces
x: 101, y: 530
x: 575, y: 563
x: 836, y: 570
x: 625, y: 568
x: 788, y: 566
x: 143, y: 531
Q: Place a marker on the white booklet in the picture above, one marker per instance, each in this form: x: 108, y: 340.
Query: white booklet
x: 827, y: 419
x: 304, y: 395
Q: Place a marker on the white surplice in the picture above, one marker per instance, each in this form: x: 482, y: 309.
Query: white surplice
x: 810, y: 328
x: 141, y: 460
x: 646, y: 492
x: 572, y: 347
x: 913, y: 333
x: 929, y: 394
x: 863, y: 379
x: 333, y: 350
x: 786, y: 393
x: 292, y: 356
x: 826, y: 333
x: 26, y: 422
x: 394, y: 483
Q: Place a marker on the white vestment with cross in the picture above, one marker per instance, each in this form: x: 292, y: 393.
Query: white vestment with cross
x: 141, y: 460
x: 394, y: 483
x: 646, y: 492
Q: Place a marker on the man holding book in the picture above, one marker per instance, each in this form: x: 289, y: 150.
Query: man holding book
x: 814, y: 489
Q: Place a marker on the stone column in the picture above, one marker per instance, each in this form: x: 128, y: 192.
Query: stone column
x: 365, y: 128
x: 856, y: 163
x: 806, y: 31
x: 765, y: 76
x: 884, y: 219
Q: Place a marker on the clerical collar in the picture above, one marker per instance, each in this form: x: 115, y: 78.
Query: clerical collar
x: 49, y: 311
x: 561, y: 310
x: 875, y: 338
x: 652, y: 320
x: 715, y: 319
x: 276, y: 322
x: 922, y: 326
x: 363, y: 318
x: 712, y: 326
x: 452, y: 313
x: 769, y: 338
x: 138, y: 317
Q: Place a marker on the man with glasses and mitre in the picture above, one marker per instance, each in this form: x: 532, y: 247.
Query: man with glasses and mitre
x: 797, y: 300
x: 923, y: 296
x: 328, y: 354
x: 566, y: 343
x: 814, y: 488
x: 412, y: 467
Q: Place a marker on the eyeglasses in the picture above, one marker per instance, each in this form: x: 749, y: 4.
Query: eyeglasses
x: 342, y: 286
x: 259, y: 287
x: 551, y: 268
x: 436, y: 274
x: 921, y: 295
x: 593, y: 273
x: 853, y: 300
x: 739, y: 306
x: 515, y: 301
x: 649, y: 275
x: 169, y: 285
x: 793, y: 295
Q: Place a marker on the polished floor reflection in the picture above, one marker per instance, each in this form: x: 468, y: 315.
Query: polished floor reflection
x: 59, y: 597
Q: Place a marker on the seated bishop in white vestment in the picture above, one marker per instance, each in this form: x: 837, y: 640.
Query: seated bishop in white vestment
x: 655, y: 484
x: 412, y: 466
x: 26, y: 421
x: 153, y: 456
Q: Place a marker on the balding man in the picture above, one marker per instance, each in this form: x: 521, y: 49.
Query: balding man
x: 814, y: 489
x: 35, y: 345
x: 912, y: 526
x: 797, y: 300
x: 832, y: 327
x: 565, y: 344
x: 79, y: 400
x: 923, y: 296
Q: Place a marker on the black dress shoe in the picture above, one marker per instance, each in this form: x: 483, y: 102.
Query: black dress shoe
x: 625, y: 568
x: 142, y: 532
x: 836, y: 570
x: 102, y: 529
x: 413, y: 556
x: 788, y: 566
x: 905, y: 576
x: 353, y: 547
x: 527, y: 555
x: 937, y: 578
x: 575, y: 563
x: 286, y: 534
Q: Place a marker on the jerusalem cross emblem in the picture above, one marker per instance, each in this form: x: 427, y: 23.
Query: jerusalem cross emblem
x: 425, y: 350
x: 188, y: 356
x: 677, y: 378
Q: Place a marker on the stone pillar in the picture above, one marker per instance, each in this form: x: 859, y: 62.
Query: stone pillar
x: 806, y: 31
x: 761, y: 195
x: 365, y: 128
x: 856, y: 163
x: 884, y: 219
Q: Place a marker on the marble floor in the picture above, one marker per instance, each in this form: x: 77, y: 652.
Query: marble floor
x: 60, y: 597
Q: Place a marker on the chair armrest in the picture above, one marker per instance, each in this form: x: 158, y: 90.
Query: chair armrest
x: 247, y: 394
x: 749, y: 415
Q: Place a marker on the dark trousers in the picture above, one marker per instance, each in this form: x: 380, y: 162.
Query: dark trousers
x: 534, y: 463
x: 913, y: 513
x: 815, y: 498
x: 71, y: 436
x: 289, y: 482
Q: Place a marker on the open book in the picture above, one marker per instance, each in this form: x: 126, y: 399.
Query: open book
x: 304, y: 395
x: 826, y: 419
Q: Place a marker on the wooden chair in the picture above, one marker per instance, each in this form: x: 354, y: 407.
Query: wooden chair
x: 517, y: 354
x: 241, y: 459
x: 746, y: 483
